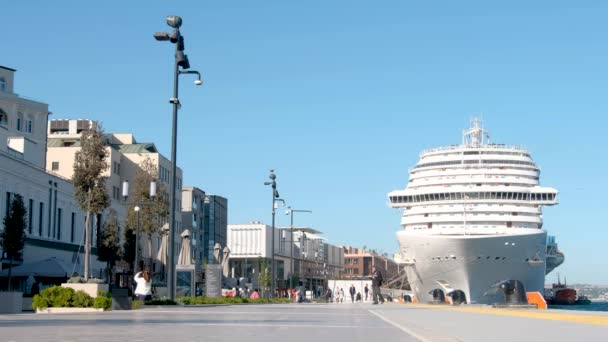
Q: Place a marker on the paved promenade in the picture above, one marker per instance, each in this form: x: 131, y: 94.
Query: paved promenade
x: 308, y: 322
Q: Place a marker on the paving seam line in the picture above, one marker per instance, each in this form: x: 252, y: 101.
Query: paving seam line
x: 400, y: 327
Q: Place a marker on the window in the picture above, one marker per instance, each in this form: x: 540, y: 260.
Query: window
x: 59, y: 212
x: 8, y: 203
x: 28, y: 126
x: 3, y: 118
x: 30, y: 217
x: 18, y: 124
x: 40, y: 218
x: 2, y: 84
x: 356, y: 271
x: 55, y: 166
x: 72, y: 227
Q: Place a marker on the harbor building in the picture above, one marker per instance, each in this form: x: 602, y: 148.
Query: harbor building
x: 312, y: 258
x: 55, y: 223
x: 215, y: 224
x: 193, y: 206
x: 125, y: 156
x: 358, y: 264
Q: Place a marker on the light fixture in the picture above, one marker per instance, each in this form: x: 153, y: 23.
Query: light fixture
x: 174, y: 21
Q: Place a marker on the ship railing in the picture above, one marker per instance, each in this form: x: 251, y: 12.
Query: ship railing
x: 488, y: 146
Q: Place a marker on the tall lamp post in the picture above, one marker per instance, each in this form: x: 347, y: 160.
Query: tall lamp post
x: 181, y: 60
x: 137, y: 208
x: 290, y: 211
x: 275, y: 199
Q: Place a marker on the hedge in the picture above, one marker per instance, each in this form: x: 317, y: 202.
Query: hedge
x: 58, y: 297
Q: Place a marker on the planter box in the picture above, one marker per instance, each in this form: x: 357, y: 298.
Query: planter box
x: 68, y: 310
x: 90, y: 289
x: 11, y: 302
x: 27, y: 304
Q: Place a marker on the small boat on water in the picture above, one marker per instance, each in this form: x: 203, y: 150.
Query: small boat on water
x: 561, y: 294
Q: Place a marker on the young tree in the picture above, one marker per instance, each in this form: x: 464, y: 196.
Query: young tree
x: 89, y: 165
x: 12, y: 238
x: 108, y: 249
x: 128, y: 248
x: 264, y: 278
x: 152, y: 211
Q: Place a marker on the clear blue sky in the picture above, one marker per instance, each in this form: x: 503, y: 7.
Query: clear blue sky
x: 339, y: 97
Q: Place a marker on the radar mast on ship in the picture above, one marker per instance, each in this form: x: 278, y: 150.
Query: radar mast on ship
x: 476, y: 135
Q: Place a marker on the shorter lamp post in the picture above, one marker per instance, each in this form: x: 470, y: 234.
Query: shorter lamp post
x: 290, y: 211
x: 137, y: 209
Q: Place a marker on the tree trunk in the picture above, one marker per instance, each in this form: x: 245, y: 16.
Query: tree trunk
x: 150, y: 259
x: 87, y: 245
x: 10, y: 271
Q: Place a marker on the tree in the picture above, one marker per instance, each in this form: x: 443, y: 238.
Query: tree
x: 89, y: 165
x: 264, y: 278
x: 108, y: 249
x: 152, y: 211
x: 128, y: 248
x: 12, y: 238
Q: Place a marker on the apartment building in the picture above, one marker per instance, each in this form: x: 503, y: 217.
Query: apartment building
x: 125, y: 156
x: 55, y: 223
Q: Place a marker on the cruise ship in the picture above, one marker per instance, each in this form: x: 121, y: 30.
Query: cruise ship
x: 472, y: 220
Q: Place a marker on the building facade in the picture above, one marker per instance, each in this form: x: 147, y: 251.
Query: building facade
x: 358, y: 264
x: 55, y: 223
x: 312, y: 259
x: 193, y: 206
x: 125, y: 157
x: 215, y: 224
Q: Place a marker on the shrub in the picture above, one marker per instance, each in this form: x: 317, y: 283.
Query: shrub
x: 229, y: 300
x: 102, y: 303
x: 58, y: 296
x: 75, y: 280
x: 81, y: 299
x: 160, y: 302
x: 103, y: 300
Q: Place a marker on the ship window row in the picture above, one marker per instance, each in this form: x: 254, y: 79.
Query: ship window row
x: 468, y: 153
x: 488, y: 161
x: 471, y: 228
x: 454, y: 196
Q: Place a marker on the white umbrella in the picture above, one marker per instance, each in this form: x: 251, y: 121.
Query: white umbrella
x: 185, y: 256
x: 51, y: 267
x: 164, y: 245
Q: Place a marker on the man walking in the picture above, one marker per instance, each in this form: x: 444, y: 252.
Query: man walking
x: 352, y: 292
x: 366, y: 292
x: 376, y: 282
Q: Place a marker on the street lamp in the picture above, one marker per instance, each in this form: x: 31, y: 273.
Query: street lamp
x: 290, y: 211
x: 137, y: 208
x: 275, y: 199
x: 181, y: 60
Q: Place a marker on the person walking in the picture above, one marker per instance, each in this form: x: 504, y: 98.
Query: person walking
x: 337, y: 296
x: 342, y: 296
x: 328, y: 295
x: 143, y: 291
x: 352, y: 291
x: 376, y: 283
x: 366, y: 292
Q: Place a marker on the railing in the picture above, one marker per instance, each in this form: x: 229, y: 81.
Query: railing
x: 459, y: 146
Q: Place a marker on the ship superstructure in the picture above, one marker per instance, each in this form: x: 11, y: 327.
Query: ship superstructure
x: 472, y: 218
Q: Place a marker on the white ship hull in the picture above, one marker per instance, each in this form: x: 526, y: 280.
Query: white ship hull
x: 473, y: 264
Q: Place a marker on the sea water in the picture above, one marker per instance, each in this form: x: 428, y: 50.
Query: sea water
x: 595, y: 306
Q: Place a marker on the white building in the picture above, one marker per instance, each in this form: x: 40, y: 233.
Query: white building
x: 55, y: 222
x: 314, y: 260
x: 125, y: 156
